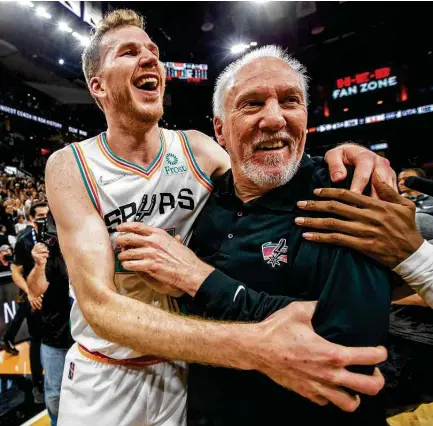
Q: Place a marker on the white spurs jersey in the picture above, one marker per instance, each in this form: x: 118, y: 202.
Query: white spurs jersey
x: 169, y: 194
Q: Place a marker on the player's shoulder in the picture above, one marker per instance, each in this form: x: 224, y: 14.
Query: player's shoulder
x: 208, y: 153
x: 199, y: 139
x: 60, y: 159
x: 202, y: 144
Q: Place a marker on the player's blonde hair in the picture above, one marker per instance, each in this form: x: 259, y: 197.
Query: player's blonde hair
x: 91, y: 57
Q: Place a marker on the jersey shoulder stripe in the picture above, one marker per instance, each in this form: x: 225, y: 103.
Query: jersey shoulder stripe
x: 202, y: 177
x: 87, y: 176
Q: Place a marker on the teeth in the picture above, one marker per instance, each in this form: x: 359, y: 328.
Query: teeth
x: 276, y: 144
x: 145, y: 80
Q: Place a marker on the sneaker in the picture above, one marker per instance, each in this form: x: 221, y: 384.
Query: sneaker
x: 10, y: 348
x: 38, y: 396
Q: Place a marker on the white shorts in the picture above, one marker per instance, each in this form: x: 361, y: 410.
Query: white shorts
x: 100, y: 394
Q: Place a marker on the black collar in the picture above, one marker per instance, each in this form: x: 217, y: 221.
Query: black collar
x: 283, y: 197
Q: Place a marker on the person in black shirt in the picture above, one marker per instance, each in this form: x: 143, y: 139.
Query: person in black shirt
x: 423, y: 202
x: 49, y: 277
x: 4, y: 240
x: 247, y: 232
x: 8, y: 217
x: 28, y: 306
x: 5, y: 258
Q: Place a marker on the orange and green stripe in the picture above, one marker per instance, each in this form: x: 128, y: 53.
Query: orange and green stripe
x: 127, y: 165
x: 87, y: 176
x: 194, y: 167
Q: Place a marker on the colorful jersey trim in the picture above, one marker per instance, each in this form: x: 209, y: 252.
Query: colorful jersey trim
x: 87, y: 176
x: 130, y: 362
x: 196, y: 171
x: 131, y: 167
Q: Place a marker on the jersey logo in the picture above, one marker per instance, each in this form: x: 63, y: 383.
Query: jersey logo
x: 172, y: 165
x: 274, y: 253
x: 104, y: 182
x: 159, y: 203
x: 71, y: 371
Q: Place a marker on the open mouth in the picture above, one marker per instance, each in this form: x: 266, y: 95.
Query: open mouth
x: 272, y: 145
x: 149, y: 84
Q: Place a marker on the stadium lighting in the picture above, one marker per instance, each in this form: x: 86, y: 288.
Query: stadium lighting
x: 82, y: 39
x: 42, y: 12
x: 239, y: 48
x: 253, y: 44
x: 26, y: 3
x: 85, y: 41
x: 61, y: 61
x: 63, y: 26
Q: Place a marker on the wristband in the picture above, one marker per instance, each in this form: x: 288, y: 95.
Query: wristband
x: 417, y: 271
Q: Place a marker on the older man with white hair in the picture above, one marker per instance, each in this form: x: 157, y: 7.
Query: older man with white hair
x: 260, y: 262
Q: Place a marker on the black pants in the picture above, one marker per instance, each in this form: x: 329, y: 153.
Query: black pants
x: 34, y: 319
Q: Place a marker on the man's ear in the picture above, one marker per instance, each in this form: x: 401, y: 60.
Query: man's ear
x: 97, y: 88
x: 218, y: 128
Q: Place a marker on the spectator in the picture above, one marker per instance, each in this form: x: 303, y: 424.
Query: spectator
x: 20, y: 225
x: 423, y: 202
x: 19, y: 207
x: 8, y: 218
x: 3, y: 236
x: 5, y: 258
x: 29, y: 306
x: 49, y: 277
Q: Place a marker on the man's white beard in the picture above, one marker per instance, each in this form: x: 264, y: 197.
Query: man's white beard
x: 256, y: 173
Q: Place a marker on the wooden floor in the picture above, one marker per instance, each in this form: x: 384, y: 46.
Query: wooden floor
x: 42, y: 419
x: 19, y: 364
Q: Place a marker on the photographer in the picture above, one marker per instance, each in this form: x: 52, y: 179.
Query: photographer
x: 49, y: 277
x: 28, y: 306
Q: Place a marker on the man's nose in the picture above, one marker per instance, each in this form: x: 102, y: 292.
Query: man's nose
x: 273, y: 119
x: 147, y: 59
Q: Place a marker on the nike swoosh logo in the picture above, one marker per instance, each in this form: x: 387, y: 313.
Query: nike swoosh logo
x: 108, y: 181
x: 241, y: 287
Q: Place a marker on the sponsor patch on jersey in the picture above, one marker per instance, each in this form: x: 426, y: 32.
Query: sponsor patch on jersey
x: 172, y: 165
x: 275, y: 253
x: 71, y: 370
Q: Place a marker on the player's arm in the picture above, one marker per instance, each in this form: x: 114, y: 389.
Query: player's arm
x: 89, y: 257
x: 18, y: 279
x: 414, y: 299
x: 211, y: 157
x: 220, y: 296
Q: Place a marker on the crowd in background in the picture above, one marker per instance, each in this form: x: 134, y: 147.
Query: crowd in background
x: 16, y: 197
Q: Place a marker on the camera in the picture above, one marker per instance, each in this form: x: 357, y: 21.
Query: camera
x: 47, y: 231
x: 42, y: 229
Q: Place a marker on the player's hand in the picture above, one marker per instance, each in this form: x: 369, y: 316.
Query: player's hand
x: 154, y: 252
x: 365, y: 162
x: 383, y: 229
x: 40, y: 254
x: 35, y: 302
x: 294, y: 356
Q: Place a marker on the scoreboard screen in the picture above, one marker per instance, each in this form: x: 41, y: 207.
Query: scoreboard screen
x: 193, y: 73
